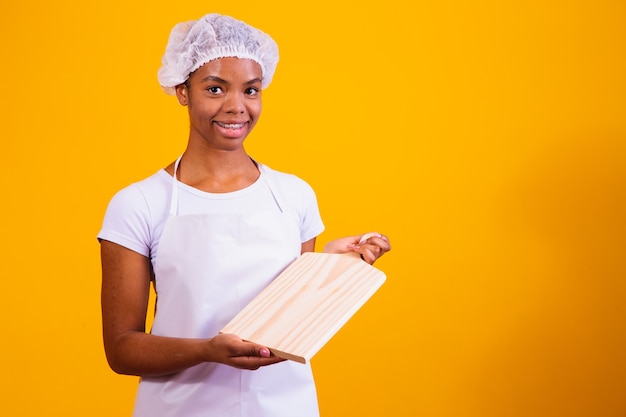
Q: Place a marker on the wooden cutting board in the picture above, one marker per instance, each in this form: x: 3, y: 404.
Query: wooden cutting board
x: 307, y: 304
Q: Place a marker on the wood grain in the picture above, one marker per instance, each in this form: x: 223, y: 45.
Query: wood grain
x: 298, y: 313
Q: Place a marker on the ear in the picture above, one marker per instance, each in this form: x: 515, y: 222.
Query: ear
x: 182, y: 93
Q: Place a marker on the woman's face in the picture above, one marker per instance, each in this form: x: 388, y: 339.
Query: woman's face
x: 224, y: 101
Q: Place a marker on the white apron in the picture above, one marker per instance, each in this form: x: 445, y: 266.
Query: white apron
x: 207, y: 269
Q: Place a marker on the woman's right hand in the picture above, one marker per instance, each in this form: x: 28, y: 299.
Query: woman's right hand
x: 231, y: 350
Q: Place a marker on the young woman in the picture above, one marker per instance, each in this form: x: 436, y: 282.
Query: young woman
x: 211, y: 230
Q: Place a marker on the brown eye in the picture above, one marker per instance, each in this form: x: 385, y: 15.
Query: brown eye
x: 252, y: 91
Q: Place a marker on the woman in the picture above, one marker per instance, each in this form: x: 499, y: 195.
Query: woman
x: 210, y: 231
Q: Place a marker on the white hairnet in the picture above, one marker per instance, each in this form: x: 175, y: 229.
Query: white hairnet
x: 194, y: 43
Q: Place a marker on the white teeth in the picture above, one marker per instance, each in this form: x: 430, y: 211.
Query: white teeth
x: 230, y: 125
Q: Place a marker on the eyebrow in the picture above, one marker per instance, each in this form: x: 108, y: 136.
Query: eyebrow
x: 223, y: 81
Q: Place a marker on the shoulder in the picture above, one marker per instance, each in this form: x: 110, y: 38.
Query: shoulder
x: 136, y: 212
x: 286, y: 181
x: 145, y: 193
x: 299, y: 196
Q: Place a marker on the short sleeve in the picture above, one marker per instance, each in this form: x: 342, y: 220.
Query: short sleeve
x: 311, y: 220
x: 127, y: 221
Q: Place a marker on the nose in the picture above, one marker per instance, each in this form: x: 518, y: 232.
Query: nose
x: 234, y: 103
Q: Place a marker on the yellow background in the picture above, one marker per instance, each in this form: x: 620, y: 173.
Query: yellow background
x: 487, y: 138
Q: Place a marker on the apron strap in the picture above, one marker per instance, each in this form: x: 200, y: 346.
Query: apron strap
x: 174, y: 200
x: 273, y: 189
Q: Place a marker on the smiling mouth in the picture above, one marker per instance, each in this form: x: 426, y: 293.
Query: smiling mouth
x: 231, y: 125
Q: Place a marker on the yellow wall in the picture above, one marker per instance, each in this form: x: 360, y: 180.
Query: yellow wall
x: 487, y: 138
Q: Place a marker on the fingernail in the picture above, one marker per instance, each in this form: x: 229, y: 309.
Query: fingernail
x: 265, y: 352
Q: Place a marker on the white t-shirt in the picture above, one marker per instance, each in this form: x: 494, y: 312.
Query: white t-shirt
x: 137, y: 214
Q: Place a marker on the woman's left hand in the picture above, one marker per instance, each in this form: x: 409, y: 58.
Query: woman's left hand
x: 370, y: 246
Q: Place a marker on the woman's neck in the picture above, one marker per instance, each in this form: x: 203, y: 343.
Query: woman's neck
x: 216, y: 172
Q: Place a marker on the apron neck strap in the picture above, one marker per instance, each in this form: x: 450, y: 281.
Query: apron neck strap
x: 174, y: 201
x: 273, y: 189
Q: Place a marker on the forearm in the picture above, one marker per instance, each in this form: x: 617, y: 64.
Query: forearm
x: 142, y: 354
